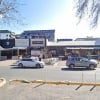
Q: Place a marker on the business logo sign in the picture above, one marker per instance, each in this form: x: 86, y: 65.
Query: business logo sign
x: 7, y: 43
x: 37, y: 42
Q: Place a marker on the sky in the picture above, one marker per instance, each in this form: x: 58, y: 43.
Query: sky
x: 52, y: 14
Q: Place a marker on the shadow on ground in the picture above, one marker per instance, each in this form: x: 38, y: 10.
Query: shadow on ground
x: 24, y: 67
x: 76, y: 69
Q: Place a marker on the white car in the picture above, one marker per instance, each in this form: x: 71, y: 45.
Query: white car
x: 28, y: 62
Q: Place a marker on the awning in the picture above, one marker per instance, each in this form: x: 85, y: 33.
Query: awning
x: 19, y: 48
x: 6, y: 49
x: 1, y: 48
x: 77, y: 48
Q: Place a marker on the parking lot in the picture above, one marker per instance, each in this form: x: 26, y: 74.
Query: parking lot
x: 43, y: 91
x: 24, y: 91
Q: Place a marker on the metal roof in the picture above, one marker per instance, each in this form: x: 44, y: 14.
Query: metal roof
x: 5, y: 31
x: 72, y: 43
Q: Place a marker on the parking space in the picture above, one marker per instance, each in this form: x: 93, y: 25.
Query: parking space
x: 41, y: 91
x: 20, y: 91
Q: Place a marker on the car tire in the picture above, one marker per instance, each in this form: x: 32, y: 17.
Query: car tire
x: 71, y: 66
x: 38, y: 65
x: 20, y: 65
x: 92, y: 66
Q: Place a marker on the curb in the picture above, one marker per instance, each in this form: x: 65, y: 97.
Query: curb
x: 2, y: 82
x: 56, y: 82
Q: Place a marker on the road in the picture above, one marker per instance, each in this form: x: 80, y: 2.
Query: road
x: 57, y: 72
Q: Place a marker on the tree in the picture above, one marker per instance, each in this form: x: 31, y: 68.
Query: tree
x: 8, y: 11
x: 89, y: 8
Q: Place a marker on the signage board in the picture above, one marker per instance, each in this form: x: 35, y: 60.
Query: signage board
x: 21, y: 42
x: 37, y: 43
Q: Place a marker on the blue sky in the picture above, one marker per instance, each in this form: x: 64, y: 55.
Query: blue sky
x: 52, y: 14
x: 41, y: 13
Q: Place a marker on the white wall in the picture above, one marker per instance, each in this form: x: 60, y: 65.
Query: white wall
x: 21, y: 42
x: 4, y: 35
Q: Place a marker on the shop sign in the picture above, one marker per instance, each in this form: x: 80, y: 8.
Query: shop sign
x: 7, y: 43
x: 37, y: 42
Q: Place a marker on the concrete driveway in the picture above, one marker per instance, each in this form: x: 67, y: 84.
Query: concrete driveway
x: 7, y: 62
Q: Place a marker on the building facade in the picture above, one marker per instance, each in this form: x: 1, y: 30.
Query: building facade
x: 15, y: 48
x: 6, y: 34
x: 39, y: 34
x: 79, y: 48
x: 41, y: 43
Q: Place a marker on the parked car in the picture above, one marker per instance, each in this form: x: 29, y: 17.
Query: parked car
x: 29, y: 62
x: 81, y: 62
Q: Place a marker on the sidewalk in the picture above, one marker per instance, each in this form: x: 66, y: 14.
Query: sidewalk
x: 7, y: 62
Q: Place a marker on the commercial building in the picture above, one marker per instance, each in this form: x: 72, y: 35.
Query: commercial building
x: 41, y: 43
x: 38, y: 34
x: 15, y: 48
x: 80, y: 48
x: 12, y: 48
x: 6, y: 34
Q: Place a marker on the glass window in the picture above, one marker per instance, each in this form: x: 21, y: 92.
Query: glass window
x: 25, y: 37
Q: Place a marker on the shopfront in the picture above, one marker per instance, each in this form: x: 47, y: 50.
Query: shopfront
x: 74, y: 48
x: 37, y: 47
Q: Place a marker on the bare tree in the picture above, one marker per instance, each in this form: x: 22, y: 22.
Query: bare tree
x: 8, y: 11
x: 89, y: 8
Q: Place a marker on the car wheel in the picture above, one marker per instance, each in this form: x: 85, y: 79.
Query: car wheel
x: 38, y: 65
x: 92, y: 66
x: 71, y: 66
x: 20, y: 65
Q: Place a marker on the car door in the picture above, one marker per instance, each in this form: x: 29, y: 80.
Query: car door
x: 30, y: 63
x: 84, y: 62
x: 33, y: 63
x: 77, y: 62
x: 25, y: 62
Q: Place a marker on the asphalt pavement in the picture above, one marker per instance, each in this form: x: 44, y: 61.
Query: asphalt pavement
x: 7, y: 62
x: 33, y: 91
x: 24, y: 91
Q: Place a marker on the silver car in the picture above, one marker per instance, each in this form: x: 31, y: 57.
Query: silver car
x: 28, y: 62
x: 81, y: 62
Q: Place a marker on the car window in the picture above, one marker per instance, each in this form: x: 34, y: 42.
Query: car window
x: 26, y: 60
x: 78, y: 59
x: 71, y: 59
x: 22, y: 59
x: 84, y: 59
x: 29, y: 59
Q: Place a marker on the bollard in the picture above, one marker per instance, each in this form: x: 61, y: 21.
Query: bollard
x: 95, y: 77
x: 82, y: 77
